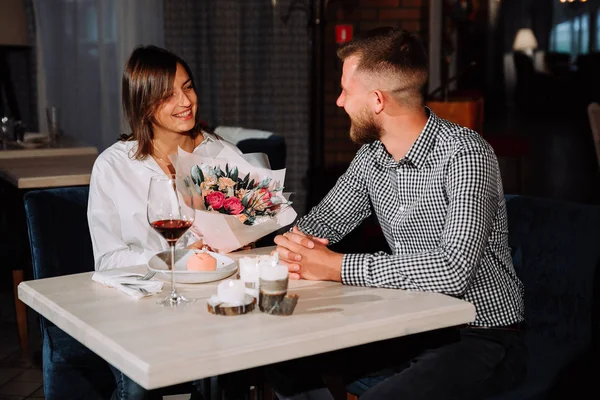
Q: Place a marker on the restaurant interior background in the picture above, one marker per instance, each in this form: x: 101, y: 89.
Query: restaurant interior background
x: 271, y: 65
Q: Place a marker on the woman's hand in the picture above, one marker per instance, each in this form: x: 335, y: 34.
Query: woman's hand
x: 199, y: 245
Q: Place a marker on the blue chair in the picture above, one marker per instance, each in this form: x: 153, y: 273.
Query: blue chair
x: 273, y: 146
x: 60, y: 245
x: 556, y: 252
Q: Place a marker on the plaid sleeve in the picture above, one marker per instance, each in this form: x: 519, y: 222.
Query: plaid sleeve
x: 344, y: 207
x: 473, y: 201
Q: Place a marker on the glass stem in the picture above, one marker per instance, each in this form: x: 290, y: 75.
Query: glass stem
x: 173, y: 291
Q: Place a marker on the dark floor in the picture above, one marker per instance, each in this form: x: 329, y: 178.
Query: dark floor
x: 20, y: 375
x: 561, y: 164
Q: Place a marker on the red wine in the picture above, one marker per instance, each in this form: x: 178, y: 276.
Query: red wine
x: 171, y: 229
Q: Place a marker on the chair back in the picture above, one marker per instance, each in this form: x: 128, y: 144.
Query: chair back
x: 61, y: 245
x: 464, y: 112
x: 556, y: 255
x: 58, y: 231
x: 273, y: 146
x: 594, y: 116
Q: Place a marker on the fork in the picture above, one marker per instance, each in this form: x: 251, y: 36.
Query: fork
x: 133, y: 286
x: 148, y: 276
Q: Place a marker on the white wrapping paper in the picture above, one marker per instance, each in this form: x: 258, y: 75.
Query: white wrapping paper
x: 226, y: 233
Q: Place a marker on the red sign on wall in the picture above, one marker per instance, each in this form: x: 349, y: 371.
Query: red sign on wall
x: 343, y: 33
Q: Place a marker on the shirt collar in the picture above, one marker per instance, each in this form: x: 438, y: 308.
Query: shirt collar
x: 418, y: 152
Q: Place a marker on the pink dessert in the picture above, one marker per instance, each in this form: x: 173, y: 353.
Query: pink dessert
x: 201, y: 262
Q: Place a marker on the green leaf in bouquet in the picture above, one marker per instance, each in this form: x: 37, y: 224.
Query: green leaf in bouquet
x: 246, y: 198
x: 197, y: 175
x: 264, y: 183
x: 218, y: 172
x: 250, y: 184
x: 227, y: 170
x: 234, y: 174
x: 250, y: 220
x: 244, y: 182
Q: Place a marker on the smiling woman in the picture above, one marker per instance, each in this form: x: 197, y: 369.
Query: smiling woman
x: 160, y: 104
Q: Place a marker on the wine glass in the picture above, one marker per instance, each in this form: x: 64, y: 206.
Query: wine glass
x: 171, y: 213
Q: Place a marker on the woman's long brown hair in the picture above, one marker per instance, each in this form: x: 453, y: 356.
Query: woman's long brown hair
x: 147, y: 79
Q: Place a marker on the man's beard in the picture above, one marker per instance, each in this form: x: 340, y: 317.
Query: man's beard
x: 364, y: 129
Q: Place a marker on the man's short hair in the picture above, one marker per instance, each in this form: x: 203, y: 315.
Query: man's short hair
x: 397, y: 56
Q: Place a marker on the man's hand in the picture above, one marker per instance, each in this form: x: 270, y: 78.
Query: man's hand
x: 308, y: 257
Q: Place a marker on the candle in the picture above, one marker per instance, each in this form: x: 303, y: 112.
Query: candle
x: 273, y: 286
x: 248, y: 269
x: 270, y: 272
x: 266, y: 259
x: 249, y: 274
x: 232, y: 292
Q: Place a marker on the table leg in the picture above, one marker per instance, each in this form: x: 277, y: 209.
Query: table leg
x: 21, y: 312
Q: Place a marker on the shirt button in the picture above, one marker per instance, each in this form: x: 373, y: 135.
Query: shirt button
x: 397, y: 245
x: 402, y: 208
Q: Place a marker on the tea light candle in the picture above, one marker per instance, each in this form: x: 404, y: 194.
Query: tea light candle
x: 248, y: 269
x: 232, y: 292
x: 269, y: 272
x: 249, y: 274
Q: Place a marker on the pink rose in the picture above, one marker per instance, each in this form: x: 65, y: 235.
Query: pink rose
x: 262, y: 200
x: 265, y: 196
x: 233, y: 206
x: 215, y: 200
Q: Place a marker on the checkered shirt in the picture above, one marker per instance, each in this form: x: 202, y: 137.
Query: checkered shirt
x: 443, y: 213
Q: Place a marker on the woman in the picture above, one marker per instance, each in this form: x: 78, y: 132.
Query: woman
x: 160, y: 103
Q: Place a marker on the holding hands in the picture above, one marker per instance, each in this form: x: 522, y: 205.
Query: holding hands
x: 308, y: 257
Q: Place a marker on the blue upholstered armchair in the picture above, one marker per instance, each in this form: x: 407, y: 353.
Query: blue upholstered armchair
x: 556, y: 253
x: 61, y: 245
x: 273, y: 146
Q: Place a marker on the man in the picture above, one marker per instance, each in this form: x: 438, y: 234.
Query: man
x: 436, y: 190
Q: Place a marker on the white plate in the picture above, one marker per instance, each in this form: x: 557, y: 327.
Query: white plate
x: 160, y: 263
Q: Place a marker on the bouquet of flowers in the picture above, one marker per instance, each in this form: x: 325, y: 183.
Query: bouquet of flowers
x: 237, y: 200
x: 228, y: 193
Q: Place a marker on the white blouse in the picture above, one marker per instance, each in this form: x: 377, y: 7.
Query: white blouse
x: 121, y: 234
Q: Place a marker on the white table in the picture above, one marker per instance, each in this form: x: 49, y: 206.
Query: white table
x: 157, y: 346
x: 47, y: 171
x: 37, y: 145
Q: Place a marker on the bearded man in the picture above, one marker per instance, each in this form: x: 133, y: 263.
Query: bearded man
x: 436, y: 190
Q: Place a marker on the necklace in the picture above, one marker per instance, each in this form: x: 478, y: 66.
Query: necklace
x: 167, y: 163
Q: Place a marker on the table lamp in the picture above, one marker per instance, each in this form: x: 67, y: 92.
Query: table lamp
x: 525, y: 41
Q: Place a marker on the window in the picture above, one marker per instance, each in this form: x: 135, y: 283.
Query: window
x: 562, y: 37
x: 576, y: 36
x: 584, y: 32
x: 598, y: 30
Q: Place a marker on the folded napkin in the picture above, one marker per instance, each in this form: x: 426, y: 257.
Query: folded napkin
x: 128, y: 283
